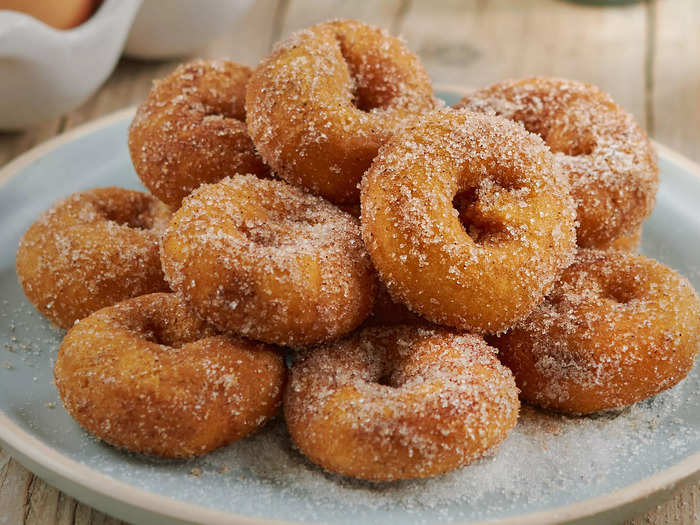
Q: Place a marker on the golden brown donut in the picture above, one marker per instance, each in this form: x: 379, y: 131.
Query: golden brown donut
x: 608, y: 158
x: 617, y: 329
x: 324, y: 101
x: 191, y: 130
x: 268, y: 261
x: 91, y: 250
x: 486, y: 267
x: 399, y: 403
x: 149, y: 376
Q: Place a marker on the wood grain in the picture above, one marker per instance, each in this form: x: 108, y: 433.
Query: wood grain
x: 303, y: 13
x: 682, y: 508
x: 647, y: 55
x: 474, y: 43
x: 15, y: 481
x: 252, y: 36
x: 675, y: 75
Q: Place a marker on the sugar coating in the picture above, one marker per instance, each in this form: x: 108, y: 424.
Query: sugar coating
x: 147, y: 375
x: 382, y: 373
x: 268, y: 261
x: 616, y: 329
x: 399, y: 403
x: 467, y: 219
x: 191, y: 130
x: 322, y: 103
x: 540, y: 462
x: 607, y: 157
x: 90, y: 250
x: 546, y: 459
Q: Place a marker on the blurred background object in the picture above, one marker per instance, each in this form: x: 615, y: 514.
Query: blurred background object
x: 178, y: 27
x: 55, y: 54
x: 65, y: 14
x: 646, y: 54
x: 47, y: 71
x: 606, y: 2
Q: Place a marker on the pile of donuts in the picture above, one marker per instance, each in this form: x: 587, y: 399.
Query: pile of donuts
x: 323, y: 235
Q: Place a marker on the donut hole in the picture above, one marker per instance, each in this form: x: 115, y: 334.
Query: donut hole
x: 161, y: 333
x: 390, y: 372
x: 571, y: 143
x: 219, y: 110
x: 276, y: 222
x: 385, y: 380
x: 137, y: 215
x: 390, y: 378
x: 562, y: 133
x: 619, y: 292
x: 365, y: 103
x: 532, y: 123
x: 480, y: 228
x: 571, y: 130
x: 369, y: 91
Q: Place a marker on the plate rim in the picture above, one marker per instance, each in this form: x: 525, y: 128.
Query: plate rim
x: 105, y: 491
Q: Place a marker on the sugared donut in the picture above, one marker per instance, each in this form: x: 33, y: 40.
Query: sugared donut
x: 191, y: 130
x: 268, y: 261
x: 324, y: 101
x: 617, y: 329
x: 608, y: 158
x: 399, y: 403
x: 91, y: 250
x: 149, y: 376
x: 486, y: 266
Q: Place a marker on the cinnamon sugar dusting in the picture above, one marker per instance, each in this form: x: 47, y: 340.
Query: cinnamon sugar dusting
x: 323, y: 102
x: 482, y: 267
x: 616, y: 329
x: 269, y: 261
x: 91, y: 250
x: 468, y: 217
x: 606, y: 155
x: 149, y: 376
x: 545, y: 459
x: 191, y: 130
x: 404, y: 402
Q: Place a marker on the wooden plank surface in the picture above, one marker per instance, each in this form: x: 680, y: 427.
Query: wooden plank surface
x: 647, y: 55
x: 474, y: 43
x: 303, y: 13
x: 252, y: 36
x: 675, y: 80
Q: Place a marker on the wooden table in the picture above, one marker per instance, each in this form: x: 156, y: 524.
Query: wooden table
x: 647, y: 55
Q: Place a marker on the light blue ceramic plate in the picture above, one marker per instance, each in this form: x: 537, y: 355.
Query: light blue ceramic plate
x: 550, y: 469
